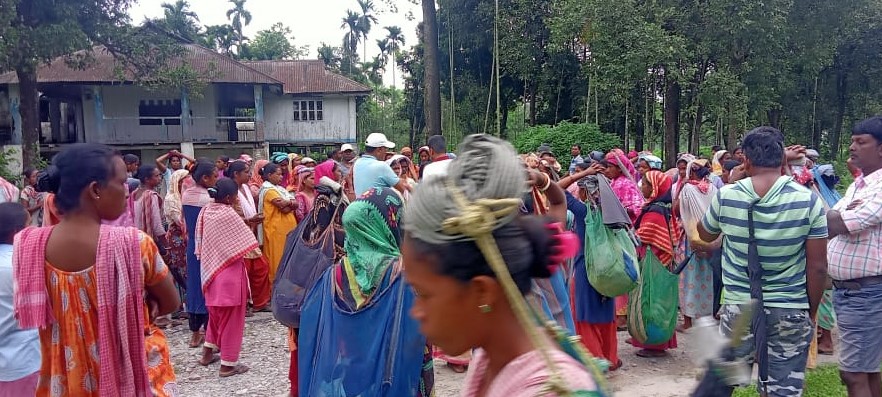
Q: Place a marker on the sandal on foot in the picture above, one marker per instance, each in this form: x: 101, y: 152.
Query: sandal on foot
x: 616, y: 367
x: 646, y: 353
x: 214, y: 358
x: 237, y: 370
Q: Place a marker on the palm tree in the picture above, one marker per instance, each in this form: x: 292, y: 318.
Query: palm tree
x: 395, y: 40
x: 220, y: 37
x: 383, y: 46
x: 352, y: 37
x: 240, y: 17
x: 330, y: 56
x: 179, y: 20
x: 366, y: 20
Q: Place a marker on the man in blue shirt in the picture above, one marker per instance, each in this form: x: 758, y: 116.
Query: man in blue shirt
x: 576, y: 152
x: 370, y: 172
x: 19, y: 349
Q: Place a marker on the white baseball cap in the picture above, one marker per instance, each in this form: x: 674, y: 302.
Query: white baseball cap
x: 378, y: 140
x: 346, y: 147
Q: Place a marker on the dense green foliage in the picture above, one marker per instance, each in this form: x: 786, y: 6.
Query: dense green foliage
x: 562, y: 137
x: 820, y: 382
x: 663, y: 73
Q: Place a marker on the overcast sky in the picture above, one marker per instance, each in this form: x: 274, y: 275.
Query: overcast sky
x: 311, y: 21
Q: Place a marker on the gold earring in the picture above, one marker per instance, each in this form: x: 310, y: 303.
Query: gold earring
x: 485, y: 308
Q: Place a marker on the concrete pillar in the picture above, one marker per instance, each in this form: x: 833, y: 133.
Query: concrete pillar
x: 15, y: 110
x: 55, y: 121
x: 353, y: 123
x: 186, y: 125
x: 98, y: 100
x: 188, y: 150
x: 259, y: 123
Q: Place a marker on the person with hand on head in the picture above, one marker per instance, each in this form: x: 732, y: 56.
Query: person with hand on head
x: 594, y: 314
x: 111, y: 269
x: 167, y: 164
x: 371, y: 170
x: 194, y: 198
x: 222, y: 241
x: 855, y: 264
x: 19, y: 348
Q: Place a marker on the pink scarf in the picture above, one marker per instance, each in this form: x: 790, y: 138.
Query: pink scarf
x: 196, y: 196
x: 120, y: 283
x: 221, y: 239
x: 9, y: 191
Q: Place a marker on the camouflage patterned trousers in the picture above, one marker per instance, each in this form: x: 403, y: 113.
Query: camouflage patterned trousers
x: 789, y: 336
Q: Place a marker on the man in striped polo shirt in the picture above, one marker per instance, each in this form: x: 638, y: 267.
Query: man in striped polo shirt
x: 855, y: 256
x: 790, y: 231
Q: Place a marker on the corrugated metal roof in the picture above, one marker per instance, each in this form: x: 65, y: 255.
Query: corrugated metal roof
x: 308, y: 77
x: 203, y: 60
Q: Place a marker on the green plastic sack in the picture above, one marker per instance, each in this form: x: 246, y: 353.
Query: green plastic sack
x: 610, y: 257
x: 652, y: 306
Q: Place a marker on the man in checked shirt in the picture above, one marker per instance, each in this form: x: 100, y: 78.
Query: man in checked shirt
x: 855, y: 263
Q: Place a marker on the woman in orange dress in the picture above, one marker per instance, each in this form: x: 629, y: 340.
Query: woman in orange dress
x: 81, y: 279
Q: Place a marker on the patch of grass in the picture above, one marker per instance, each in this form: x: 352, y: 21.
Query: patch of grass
x: 820, y: 382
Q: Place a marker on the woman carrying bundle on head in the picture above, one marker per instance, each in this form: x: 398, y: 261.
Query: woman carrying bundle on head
x: 470, y: 258
x: 277, y: 207
x: 84, y: 285
x: 196, y: 197
x: 222, y: 241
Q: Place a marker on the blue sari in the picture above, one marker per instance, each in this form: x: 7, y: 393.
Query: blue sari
x: 195, y: 298
x: 372, y: 351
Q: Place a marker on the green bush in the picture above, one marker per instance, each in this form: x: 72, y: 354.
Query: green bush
x: 562, y: 137
x: 819, y: 382
x: 5, y: 163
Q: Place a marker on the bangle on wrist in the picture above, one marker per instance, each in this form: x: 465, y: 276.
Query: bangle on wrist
x: 547, y: 183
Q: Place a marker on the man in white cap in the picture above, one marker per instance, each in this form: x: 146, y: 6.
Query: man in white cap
x: 347, y: 154
x: 371, y: 172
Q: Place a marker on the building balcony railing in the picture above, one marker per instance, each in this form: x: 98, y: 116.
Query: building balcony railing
x: 143, y: 130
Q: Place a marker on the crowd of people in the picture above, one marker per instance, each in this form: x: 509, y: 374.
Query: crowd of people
x: 99, y: 253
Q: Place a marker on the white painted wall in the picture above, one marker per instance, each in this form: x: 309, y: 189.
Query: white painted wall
x: 121, y: 117
x: 338, y: 124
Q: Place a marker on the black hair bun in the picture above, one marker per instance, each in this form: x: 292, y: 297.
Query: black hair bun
x: 213, y: 193
x: 542, y: 243
x: 48, y: 181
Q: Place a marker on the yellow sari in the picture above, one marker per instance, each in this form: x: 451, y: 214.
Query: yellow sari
x: 276, y: 226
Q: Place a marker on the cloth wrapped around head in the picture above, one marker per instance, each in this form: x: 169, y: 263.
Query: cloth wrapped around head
x: 616, y: 157
x: 487, y: 168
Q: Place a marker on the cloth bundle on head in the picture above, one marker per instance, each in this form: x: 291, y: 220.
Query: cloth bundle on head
x: 278, y: 157
x: 654, y: 162
x: 487, y: 168
x: 616, y: 157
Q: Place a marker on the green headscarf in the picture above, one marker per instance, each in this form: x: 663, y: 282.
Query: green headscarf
x: 373, y: 235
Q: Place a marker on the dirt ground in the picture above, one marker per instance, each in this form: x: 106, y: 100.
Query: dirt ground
x: 265, y: 351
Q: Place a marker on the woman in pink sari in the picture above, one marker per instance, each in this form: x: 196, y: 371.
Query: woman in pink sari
x: 148, y: 205
x: 623, y: 181
x: 222, y: 241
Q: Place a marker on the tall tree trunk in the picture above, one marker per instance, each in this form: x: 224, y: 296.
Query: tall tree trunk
x: 841, y: 106
x: 432, y: 71
x: 732, y: 134
x: 774, y: 118
x: 695, y: 133
x: 672, y: 122
x: 30, y: 118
